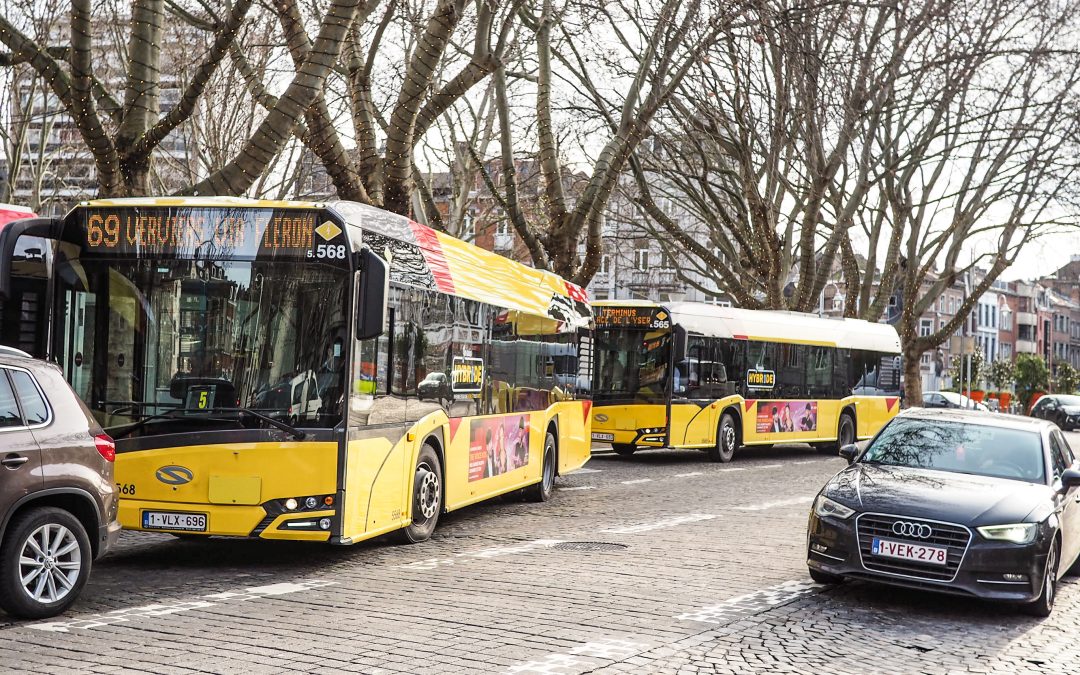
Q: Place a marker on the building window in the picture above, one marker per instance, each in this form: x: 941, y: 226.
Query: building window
x: 641, y: 259
x: 1006, y: 350
x: 605, y: 261
x: 926, y: 326
x: 502, y: 228
x: 941, y: 303
x: 941, y: 324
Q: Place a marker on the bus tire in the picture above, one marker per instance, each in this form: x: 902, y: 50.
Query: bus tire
x: 845, y: 435
x: 624, y: 449
x: 427, y: 497
x: 542, y: 491
x: 727, y: 440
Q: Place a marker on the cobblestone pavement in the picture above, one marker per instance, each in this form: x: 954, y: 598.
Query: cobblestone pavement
x: 662, y: 563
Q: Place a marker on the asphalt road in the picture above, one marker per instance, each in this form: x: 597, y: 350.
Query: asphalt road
x: 661, y: 563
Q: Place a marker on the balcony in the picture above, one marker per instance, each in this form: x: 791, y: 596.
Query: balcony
x: 1025, y: 347
x: 1026, y: 319
x: 659, y: 279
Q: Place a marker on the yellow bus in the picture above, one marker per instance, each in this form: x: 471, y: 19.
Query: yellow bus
x: 310, y: 371
x: 695, y: 375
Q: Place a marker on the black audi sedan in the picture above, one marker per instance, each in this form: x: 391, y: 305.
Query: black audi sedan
x: 956, y: 501
x: 1061, y: 409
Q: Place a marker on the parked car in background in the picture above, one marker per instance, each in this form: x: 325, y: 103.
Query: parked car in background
x: 950, y: 399
x: 435, y: 386
x: 953, y: 501
x: 1061, y: 409
x: 58, y: 501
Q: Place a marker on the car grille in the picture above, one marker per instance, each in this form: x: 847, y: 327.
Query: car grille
x: 954, y: 537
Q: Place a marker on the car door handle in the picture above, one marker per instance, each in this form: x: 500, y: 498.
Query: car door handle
x: 14, y: 461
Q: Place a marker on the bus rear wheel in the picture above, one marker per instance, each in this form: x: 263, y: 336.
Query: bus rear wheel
x: 542, y: 491
x: 624, y: 449
x: 845, y: 435
x: 727, y: 440
x: 427, y: 497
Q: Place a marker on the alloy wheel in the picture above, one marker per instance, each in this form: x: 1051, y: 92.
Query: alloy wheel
x: 427, y: 497
x: 49, y: 563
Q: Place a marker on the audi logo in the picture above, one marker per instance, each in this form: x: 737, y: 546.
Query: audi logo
x: 903, y: 528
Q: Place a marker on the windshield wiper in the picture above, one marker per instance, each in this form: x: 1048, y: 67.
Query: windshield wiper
x: 287, y: 428
x: 160, y: 416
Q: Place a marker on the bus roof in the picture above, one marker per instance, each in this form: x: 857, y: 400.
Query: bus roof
x: 202, y: 202
x: 460, y: 268
x: 423, y: 256
x: 774, y: 326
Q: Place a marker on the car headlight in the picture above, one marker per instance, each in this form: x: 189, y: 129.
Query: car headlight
x: 827, y: 508
x: 1020, y: 533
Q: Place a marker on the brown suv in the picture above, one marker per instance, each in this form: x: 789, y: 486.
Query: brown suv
x: 57, y: 498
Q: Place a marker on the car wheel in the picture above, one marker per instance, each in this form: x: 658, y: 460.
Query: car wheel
x: 427, y: 497
x: 542, y: 491
x: 727, y: 440
x: 44, y: 563
x: 824, y: 577
x: 624, y: 449
x: 1044, y: 604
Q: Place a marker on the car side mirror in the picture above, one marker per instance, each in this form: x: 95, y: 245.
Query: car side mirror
x: 374, y: 292
x: 1070, y: 478
x: 849, y: 452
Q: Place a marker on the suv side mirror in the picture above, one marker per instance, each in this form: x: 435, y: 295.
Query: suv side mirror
x: 373, y: 293
x: 1070, y: 478
x: 849, y: 452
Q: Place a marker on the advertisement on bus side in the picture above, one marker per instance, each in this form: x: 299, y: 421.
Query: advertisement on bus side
x: 785, y: 417
x: 498, y: 445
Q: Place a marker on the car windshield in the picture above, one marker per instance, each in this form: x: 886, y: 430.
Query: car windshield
x: 978, y: 449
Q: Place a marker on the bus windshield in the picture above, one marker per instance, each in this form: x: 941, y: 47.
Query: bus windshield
x: 632, y: 366
x: 173, y: 342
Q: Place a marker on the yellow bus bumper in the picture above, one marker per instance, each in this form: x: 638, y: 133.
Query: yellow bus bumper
x: 229, y: 520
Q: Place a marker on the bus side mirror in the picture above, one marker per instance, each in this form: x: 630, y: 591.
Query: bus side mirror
x: 679, y: 335
x: 373, y: 293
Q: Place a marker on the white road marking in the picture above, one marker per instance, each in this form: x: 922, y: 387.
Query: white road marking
x: 768, y: 466
x: 582, y: 658
x: 688, y: 475
x: 771, y: 505
x: 587, y: 471
x: 491, y: 552
x: 580, y: 487
x: 635, y: 482
x: 669, y: 522
x: 732, y: 468
x: 132, y: 614
x: 807, y: 461
x: 751, y: 603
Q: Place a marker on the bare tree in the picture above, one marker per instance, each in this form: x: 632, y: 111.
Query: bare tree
x: 123, y: 129
x: 907, y: 130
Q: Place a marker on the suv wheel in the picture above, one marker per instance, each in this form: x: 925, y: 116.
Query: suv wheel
x: 44, y: 562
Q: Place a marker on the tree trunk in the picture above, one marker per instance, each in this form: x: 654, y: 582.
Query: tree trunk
x: 912, y: 378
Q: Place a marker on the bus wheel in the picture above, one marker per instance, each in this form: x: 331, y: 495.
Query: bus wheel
x: 727, y: 440
x: 624, y: 449
x: 541, y: 492
x: 427, y: 497
x: 845, y: 435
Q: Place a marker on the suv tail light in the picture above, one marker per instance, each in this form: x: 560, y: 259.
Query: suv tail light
x: 105, y: 447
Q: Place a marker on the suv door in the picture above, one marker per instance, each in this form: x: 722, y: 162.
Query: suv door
x: 20, y: 457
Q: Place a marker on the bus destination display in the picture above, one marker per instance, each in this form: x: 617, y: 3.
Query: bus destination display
x: 643, y: 318
x: 206, y: 233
